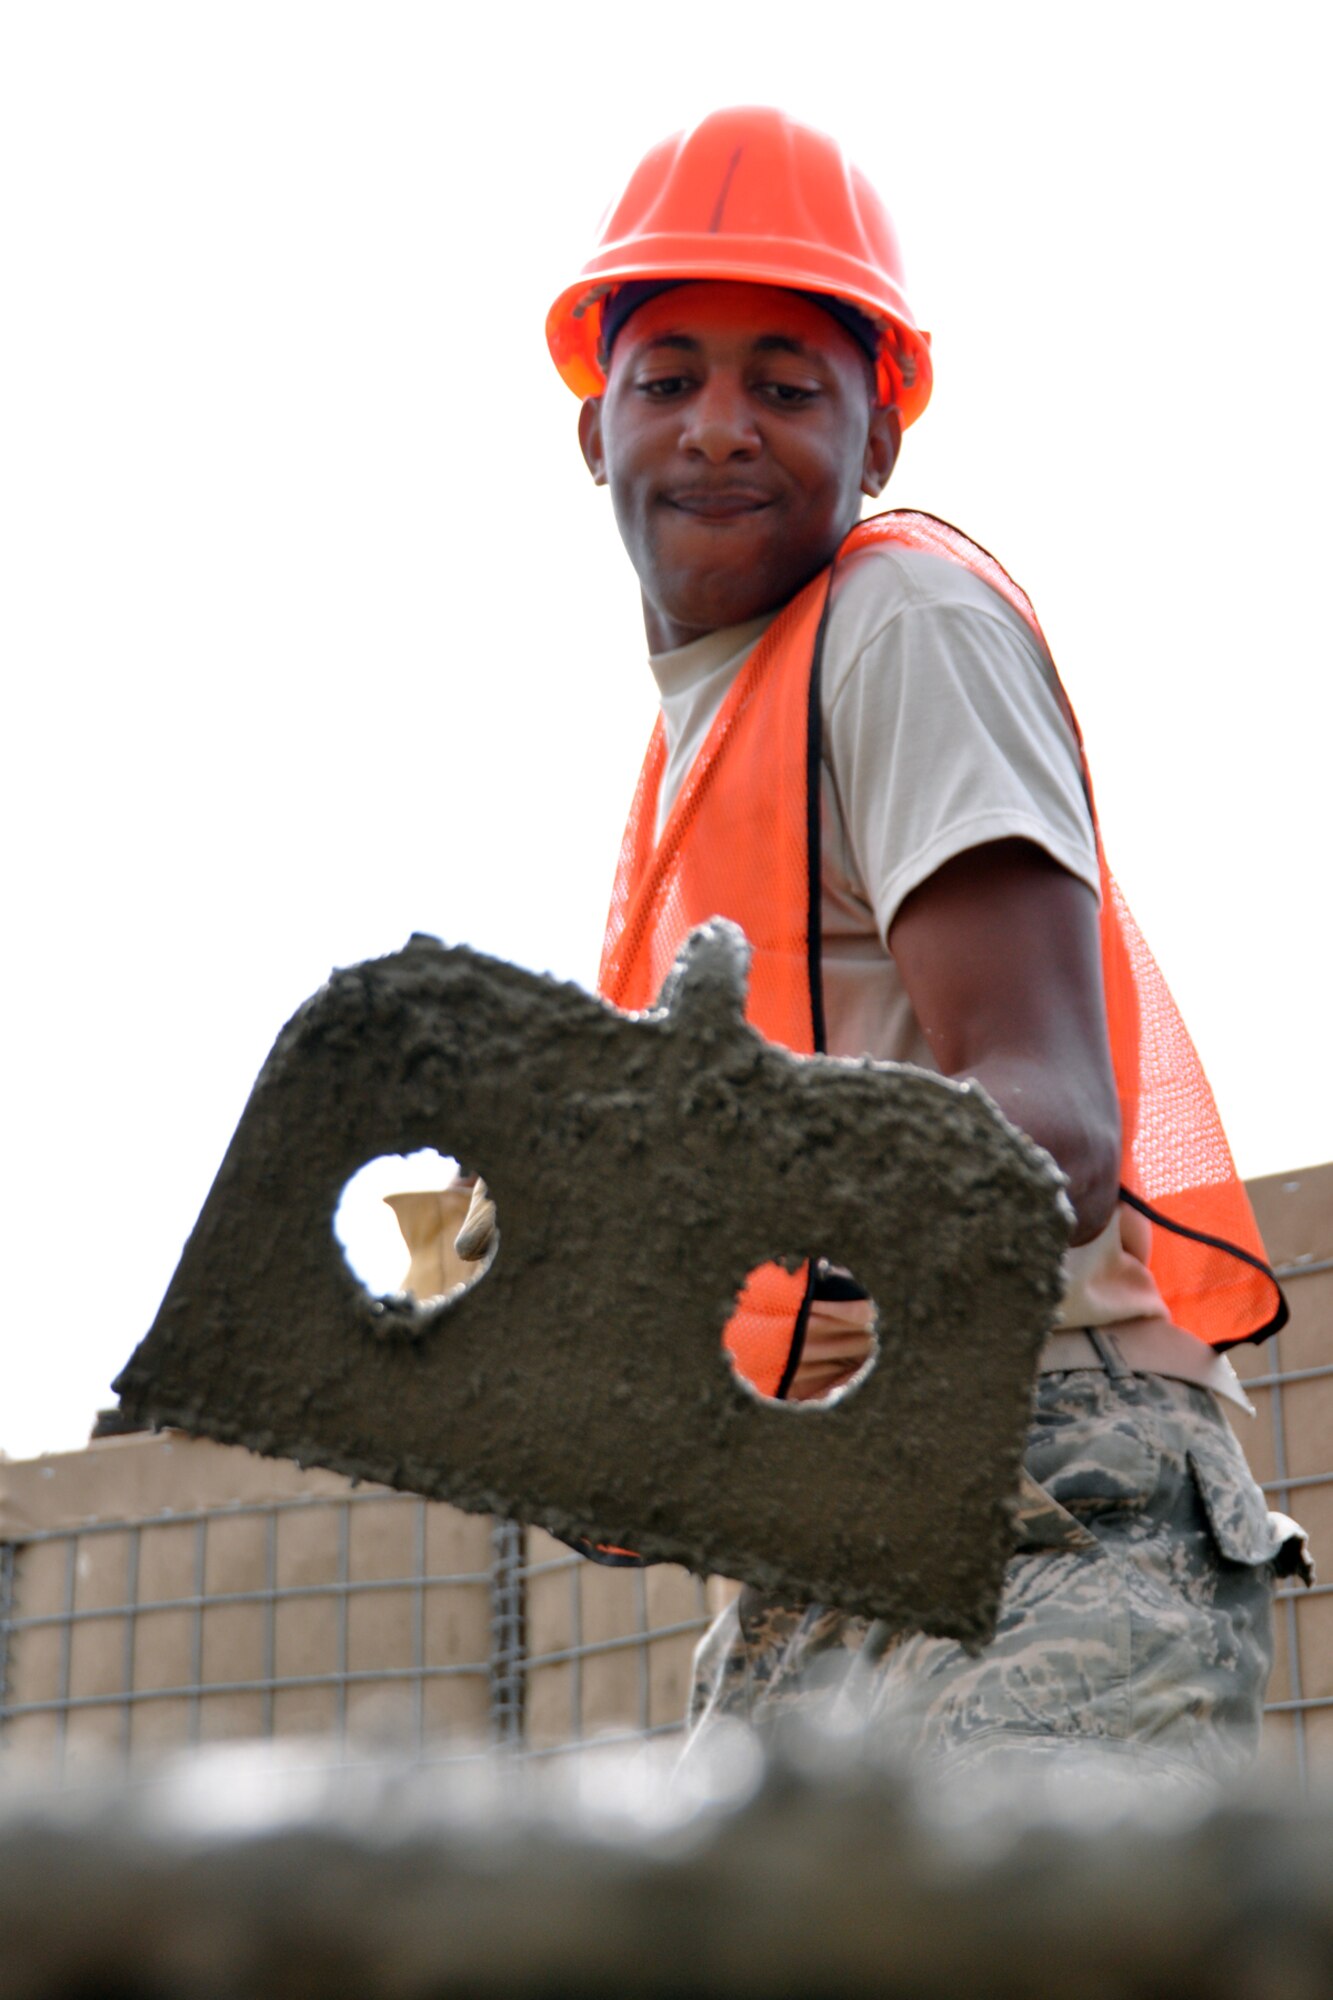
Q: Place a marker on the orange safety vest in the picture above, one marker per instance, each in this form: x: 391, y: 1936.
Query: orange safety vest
x: 742, y: 841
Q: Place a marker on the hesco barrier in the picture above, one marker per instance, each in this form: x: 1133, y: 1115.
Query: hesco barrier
x: 247, y: 1875
x: 160, y: 1591
x: 1290, y: 1449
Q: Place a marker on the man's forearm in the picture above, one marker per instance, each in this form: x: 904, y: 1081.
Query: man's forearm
x: 1079, y: 1128
x: 1000, y: 954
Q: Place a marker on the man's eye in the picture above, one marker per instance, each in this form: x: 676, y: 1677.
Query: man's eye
x: 660, y: 388
x: 788, y: 395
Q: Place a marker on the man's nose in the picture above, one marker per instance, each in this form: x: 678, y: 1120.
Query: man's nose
x: 720, y: 424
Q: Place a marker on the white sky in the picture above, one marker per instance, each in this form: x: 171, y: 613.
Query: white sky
x: 316, y: 633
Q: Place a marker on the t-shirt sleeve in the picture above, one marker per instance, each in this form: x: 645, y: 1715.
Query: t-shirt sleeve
x: 944, y: 732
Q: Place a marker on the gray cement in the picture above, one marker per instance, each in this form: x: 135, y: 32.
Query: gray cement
x: 642, y: 1166
x: 241, y: 1875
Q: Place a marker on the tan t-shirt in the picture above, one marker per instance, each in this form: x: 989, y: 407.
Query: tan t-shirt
x: 941, y: 731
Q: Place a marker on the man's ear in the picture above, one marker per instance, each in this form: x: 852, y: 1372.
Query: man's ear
x: 885, y: 436
x: 590, y: 438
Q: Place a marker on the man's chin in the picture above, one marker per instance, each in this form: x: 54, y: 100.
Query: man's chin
x: 735, y: 583
x: 696, y: 611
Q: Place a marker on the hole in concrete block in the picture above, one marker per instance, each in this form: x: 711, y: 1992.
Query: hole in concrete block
x: 396, y: 1222
x: 839, y: 1343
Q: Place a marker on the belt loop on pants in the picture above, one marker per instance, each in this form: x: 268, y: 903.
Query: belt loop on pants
x: 1108, y: 1353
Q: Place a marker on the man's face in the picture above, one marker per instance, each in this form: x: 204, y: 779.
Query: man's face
x: 737, y: 434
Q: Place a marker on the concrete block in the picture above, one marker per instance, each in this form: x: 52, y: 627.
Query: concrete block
x: 642, y: 1166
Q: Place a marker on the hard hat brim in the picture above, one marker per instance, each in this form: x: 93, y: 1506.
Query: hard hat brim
x: 573, y: 325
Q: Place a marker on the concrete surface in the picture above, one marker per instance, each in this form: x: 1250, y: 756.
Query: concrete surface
x: 250, y: 1875
x: 642, y: 1166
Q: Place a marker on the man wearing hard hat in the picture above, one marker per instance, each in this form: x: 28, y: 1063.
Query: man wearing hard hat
x: 865, y: 758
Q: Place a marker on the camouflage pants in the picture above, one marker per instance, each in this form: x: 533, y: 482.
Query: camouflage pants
x: 1136, y: 1617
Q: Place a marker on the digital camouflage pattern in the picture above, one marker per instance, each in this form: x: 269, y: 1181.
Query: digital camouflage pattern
x: 1136, y: 1618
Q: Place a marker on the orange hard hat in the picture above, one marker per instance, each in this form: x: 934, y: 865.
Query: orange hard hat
x: 749, y: 195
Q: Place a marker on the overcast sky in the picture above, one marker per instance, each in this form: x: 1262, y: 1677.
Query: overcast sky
x: 316, y: 633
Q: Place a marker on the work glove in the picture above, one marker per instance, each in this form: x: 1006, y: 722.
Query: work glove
x: 476, y: 1239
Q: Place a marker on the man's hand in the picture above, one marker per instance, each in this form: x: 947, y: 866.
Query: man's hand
x: 1000, y: 954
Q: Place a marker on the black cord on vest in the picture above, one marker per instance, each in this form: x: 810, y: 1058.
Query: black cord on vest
x: 814, y: 939
x: 814, y: 852
x: 1154, y: 1215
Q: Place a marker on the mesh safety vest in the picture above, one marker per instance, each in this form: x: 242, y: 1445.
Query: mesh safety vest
x: 742, y: 841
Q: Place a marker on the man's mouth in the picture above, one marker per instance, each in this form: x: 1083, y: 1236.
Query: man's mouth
x: 718, y: 503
